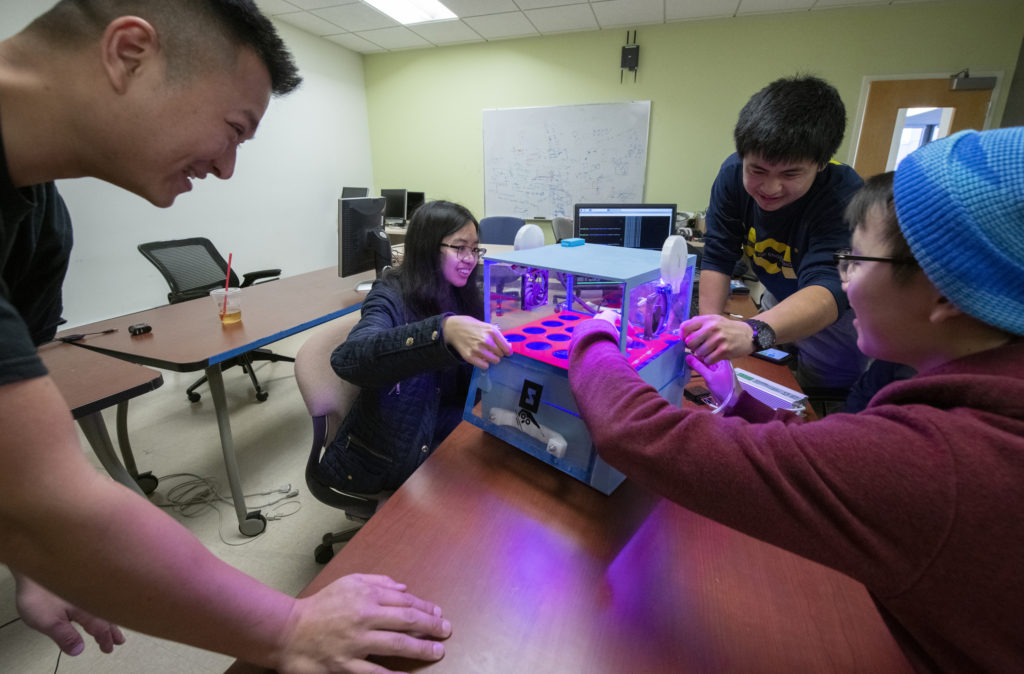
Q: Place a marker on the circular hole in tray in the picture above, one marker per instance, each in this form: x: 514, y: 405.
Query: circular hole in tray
x: 515, y: 337
x: 559, y: 337
x: 553, y: 324
x: 633, y: 344
x: 560, y: 353
x: 534, y: 330
x: 538, y: 346
x: 569, y: 317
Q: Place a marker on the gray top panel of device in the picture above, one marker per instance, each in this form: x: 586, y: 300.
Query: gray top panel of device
x: 590, y: 259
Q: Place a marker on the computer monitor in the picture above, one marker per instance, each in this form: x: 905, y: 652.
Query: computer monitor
x: 628, y: 225
x: 413, y: 200
x: 362, y: 243
x: 354, y: 192
x: 394, y: 206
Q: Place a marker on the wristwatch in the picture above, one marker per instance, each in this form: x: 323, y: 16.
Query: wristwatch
x: 764, y: 334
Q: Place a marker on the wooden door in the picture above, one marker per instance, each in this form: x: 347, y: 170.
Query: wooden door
x: 886, y: 97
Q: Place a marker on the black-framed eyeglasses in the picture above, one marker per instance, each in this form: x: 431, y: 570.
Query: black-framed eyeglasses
x: 466, y: 252
x: 847, y: 262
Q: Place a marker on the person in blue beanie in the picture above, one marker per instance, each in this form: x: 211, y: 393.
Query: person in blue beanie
x: 919, y: 496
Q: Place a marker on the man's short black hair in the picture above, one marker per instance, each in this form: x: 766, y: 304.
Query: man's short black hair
x: 877, y: 194
x: 191, y: 31
x: 792, y: 119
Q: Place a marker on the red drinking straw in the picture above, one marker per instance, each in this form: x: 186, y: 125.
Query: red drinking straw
x: 227, y: 284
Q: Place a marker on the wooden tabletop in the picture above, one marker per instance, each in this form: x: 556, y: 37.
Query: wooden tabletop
x: 189, y: 336
x: 91, y: 382
x: 540, y: 573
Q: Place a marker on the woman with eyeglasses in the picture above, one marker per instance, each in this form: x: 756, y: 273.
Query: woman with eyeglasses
x: 412, y: 353
x: 920, y: 496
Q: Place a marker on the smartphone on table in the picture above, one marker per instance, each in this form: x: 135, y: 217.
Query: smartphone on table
x: 777, y: 356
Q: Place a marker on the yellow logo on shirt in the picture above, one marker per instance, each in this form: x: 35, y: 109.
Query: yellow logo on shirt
x: 774, y: 257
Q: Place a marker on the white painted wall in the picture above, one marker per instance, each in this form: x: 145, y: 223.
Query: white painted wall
x: 278, y: 210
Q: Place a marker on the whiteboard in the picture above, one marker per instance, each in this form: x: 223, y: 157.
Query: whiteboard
x: 541, y: 161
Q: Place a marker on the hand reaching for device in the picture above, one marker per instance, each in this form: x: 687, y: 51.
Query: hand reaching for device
x: 480, y: 344
x: 720, y: 379
x: 713, y: 338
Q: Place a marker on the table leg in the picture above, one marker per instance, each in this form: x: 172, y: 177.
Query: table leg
x: 95, y: 432
x: 250, y: 524
x: 146, y: 481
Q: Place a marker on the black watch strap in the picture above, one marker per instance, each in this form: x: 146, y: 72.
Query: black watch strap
x: 764, y: 334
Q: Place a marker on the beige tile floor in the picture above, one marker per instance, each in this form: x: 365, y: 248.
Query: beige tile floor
x: 169, y: 435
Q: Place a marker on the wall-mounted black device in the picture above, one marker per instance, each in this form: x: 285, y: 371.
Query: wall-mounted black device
x: 630, y: 56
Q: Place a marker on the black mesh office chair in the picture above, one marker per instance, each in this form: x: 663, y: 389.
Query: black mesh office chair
x: 328, y: 399
x: 192, y: 268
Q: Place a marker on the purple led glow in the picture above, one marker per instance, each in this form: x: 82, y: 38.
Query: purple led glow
x: 544, y: 339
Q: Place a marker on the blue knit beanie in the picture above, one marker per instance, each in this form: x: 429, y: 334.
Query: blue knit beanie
x: 960, y: 204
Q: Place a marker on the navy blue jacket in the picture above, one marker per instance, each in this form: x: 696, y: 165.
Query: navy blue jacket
x: 414, y: 388
x: 791, y: 248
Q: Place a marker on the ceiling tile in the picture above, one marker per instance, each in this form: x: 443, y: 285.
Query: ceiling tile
x: 320, y: 4
x: 398, y: 37
x: 563, y: 19
x: 272, y: 7
x: 629, y: 12
x: 482, y: 20
x: 356, y: 17
x: 764, y: 6
x: 355, y: 43
x: 537, y: 4
x: 464, y: 8
x: 682, y: 10
x: 445, y: 32
x: 310, y: 23
x: 498, y: 26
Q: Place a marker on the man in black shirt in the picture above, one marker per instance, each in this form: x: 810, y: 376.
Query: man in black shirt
x: 148, y: 95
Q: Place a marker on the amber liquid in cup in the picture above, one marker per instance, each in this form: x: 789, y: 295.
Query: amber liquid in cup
x: 231, y: 317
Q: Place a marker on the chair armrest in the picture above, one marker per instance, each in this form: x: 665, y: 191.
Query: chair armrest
x: 254, y: 276
x: 186, y: 295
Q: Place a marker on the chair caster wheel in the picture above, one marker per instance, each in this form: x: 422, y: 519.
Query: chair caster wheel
x: 255, y: 523
x: 193, y: 397
x: 323, y: 553
x: 261, y: 396
x: 147, y: 483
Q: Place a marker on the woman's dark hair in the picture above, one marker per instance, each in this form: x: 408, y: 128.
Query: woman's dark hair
x: 877, y: 193
x: 423, y: 285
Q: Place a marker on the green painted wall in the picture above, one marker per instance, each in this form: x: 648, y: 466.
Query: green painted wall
x: 425, y: 105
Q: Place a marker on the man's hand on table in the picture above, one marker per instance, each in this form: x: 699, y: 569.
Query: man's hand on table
x: 357, y: 616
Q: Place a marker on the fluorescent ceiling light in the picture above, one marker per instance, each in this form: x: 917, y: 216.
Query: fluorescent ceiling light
x: 413, y: 11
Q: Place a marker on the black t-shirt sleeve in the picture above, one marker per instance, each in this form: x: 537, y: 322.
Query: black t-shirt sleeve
x: 35, y: 243
x: 723, y: 241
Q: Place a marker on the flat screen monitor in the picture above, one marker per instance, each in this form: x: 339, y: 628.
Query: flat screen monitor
x: 627, y: 225
x: 413, y: 200
x: 394, y: 205
x: 353, y: 192
x: 362, y: 243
